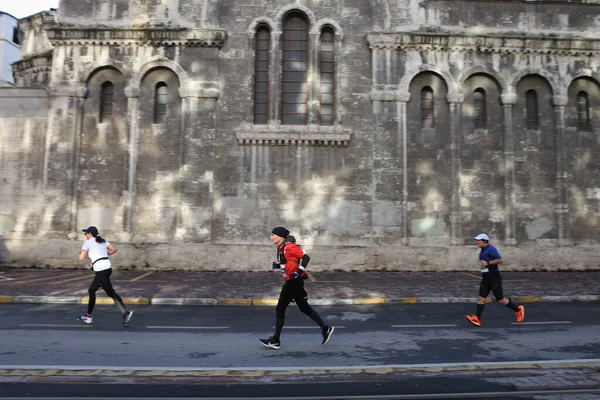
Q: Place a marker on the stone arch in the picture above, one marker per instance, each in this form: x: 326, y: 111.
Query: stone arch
x: 95, y: 70
x: 404, y: 85
x: 483, y: 70
x: 312, y: 21
x: 322, y: 23
x: 135, y: 83
x: 256, y: 22
x: 557, y: 89
x: 582, y: 73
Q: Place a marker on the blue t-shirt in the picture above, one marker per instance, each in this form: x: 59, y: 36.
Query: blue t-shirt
x: 489, y: 253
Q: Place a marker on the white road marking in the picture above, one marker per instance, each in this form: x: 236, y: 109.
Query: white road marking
x: 425, y: 326
x: 541, y: 323
x: 310, y: 327
x: 186, y: 327
x: 82, y: 325
x: 6, y: 278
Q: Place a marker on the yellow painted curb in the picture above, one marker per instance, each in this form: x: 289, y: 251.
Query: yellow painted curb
x: 529, y: 299
x: 380, y: 300
x: 234, y: 302
x: 264, y: 302
x: 108, y: 300
x: 410, y: 300
x: 6, y: 299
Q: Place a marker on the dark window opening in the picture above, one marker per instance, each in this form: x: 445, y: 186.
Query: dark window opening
x: 327, y: 71
x: 427, y: 111
x: 261, y: 75
x: 479, y: 109
x: 584, y: 122
x: 531, y: 110
x: 161, y: 99
x: 294, y: 90
x: 107, y: 93
x: 16, y: 36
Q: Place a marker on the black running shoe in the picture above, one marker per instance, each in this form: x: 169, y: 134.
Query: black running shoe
x: 271, y: 342
x: 327, y: 334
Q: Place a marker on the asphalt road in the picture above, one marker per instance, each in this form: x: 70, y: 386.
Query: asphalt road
x: 205, y: 337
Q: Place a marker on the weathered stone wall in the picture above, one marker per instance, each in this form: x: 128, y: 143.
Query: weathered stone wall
x: 381, y: 188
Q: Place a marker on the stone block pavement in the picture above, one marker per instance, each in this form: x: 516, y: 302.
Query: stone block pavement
x: 262, y: 288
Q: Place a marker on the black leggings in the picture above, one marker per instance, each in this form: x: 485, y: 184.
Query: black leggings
x: 293, y: 290
x: 102, y: 280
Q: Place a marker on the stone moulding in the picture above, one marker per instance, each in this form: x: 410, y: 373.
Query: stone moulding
x: 149, y: 37
x: 484, y: 44
x: 294, y: 139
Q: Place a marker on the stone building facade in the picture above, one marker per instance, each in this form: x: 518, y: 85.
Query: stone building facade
x: 384, y: 134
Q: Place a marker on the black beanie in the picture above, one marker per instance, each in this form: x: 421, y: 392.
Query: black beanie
x: 280, y: 231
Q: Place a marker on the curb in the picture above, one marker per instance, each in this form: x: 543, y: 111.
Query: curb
x: 82, y: 371
x: 273, y: 301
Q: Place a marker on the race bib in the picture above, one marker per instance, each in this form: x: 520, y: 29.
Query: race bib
x: 482, y: 268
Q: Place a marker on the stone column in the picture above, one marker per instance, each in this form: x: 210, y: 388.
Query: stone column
x: 562, y: 207
x: 61, y: 159
x: 401, y: 102
x: 133, y: 115
x: 455, y: 103
x: 508, y: 101
x: 199, y: 102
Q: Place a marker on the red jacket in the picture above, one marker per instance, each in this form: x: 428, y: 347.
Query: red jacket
x: 292, y: 253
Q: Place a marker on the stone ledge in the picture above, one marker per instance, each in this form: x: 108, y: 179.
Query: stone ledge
x: 149, y: 37
x: 294, y: 138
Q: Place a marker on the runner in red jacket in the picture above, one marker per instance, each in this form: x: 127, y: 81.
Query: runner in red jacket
x: 291, y: 259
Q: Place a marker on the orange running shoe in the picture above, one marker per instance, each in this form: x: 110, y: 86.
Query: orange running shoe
x: 474, y: 320
x: 520, y: 314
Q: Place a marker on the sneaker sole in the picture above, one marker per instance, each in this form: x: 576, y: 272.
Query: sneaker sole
x: 474, y: 323
x: 82, y: 321
x: 329, y: 336
x: 523, y: 315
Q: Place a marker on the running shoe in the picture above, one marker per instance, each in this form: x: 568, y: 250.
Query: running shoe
x: 271, y: 342
x: 127, y: 318
x: 474, y: 319
x: 327, y: 332
x: 520, y: 314
x: 85, y: 319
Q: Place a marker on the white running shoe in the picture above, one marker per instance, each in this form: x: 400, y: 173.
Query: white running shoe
x: 85, y: 319
x: 127, y: 318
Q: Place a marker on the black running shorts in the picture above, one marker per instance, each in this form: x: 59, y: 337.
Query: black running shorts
x: 492, y: 284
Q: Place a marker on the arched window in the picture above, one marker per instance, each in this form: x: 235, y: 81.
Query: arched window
x: 327, y: 72
x: 294, y: 91
x: 261, y: 74
x: 107, y: 93
x: 427, y: 112
x: 531, y: 110
x: 479, y: 109
x: 161, y: 99
x: 584, y: 122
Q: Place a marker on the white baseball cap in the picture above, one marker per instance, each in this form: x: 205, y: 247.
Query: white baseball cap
x: 482, y: 236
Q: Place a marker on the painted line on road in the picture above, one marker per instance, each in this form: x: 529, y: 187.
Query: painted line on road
x: 541, y: 323
x: 426, y: 326
x: 56, y: 325
x: 185, y: 327
x: 311, y: 327
x: 473, y: 275
x: 142, y: 276
x: 6, y: 278
x: 74, y: 279
x: 47, y: 278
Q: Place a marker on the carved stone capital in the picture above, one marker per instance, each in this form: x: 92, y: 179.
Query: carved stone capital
x: 290, y: 138
x: 508, y: 99
x: 455, y: 98
x: 203, y: 89
x: 559, y: 100
x: 133, y: 92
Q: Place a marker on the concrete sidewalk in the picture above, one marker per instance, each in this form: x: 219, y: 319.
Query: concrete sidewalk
x: 262, y: 288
